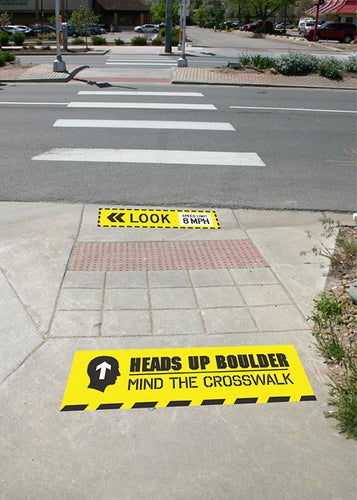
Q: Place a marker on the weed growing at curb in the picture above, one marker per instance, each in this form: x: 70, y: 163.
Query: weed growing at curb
x: 335, y: 325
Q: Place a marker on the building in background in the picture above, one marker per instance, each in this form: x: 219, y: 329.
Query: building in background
x: 344, y: 11
x: 121, y: 13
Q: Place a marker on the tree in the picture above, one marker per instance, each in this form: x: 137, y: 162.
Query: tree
x: 81, y: 19
x: 209, y: 13
x: 265, y: 8
x: 5, y: 19
x: 158, y: 11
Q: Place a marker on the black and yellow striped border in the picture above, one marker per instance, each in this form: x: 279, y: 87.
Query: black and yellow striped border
x: 176, y: 403
x: 212, y: 212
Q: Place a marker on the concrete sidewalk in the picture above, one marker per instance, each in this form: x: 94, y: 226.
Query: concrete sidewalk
x: 53, y: 306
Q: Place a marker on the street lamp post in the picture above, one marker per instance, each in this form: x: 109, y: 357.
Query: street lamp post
x: 59, y: 66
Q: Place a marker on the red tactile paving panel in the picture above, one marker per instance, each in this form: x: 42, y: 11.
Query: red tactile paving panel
x: 164, y: 255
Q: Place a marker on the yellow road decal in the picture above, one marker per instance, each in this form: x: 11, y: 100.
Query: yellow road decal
x: 156, y: 378
x: 152, y: 218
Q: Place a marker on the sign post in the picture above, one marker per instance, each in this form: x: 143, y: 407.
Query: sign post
x: 182, y: 61
x: 318, y: 3
x: 59, y: 66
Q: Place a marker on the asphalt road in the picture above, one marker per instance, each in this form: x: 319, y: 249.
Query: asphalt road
x: 305, y: 143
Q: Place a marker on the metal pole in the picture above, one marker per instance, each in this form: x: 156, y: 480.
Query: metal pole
x: 168, y: 29
x: 59, y: 66
x: 319, y: 2
x: 182, y: 61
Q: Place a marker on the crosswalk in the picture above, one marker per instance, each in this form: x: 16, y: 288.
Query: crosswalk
x: 160, y: 101
x: 153, y: 62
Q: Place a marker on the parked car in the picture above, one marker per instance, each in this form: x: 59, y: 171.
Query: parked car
x: 280, y: 26
x: 304, y: 24
x: 265, y: 26
x: 342, y: 32
x: 8, y: 29
x: 44, y: 29
x: 147, y: 28
x: 13, y: 28
x: 71, y: 30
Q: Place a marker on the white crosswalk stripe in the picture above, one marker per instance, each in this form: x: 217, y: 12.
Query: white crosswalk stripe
x: 143, y: 105
x: 142, y: 61
x: 139, y: 93
x: 146, y: 124
x: 147, y: 156
x: 154, y: 156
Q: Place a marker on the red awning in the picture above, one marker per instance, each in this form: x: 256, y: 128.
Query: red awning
x: 335, y: 6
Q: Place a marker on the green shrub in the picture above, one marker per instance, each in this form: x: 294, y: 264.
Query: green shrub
x: 78, y: 41
x: 18, y: 38
x: 296, y: 64
x: 245, y: 59
x: 330, y: 68
x: 257, y: 60
x: 262, y: 62
x: 351, y: 64
x: 119, y: 41
x: 98, y: 40
x: 157, y: 41
x: 139, y: 40
x: 174, y: 35
x: 6, y: 56
x: 4, y: 38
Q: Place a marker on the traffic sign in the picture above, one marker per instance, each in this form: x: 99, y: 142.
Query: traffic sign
x: 157, y: 218
x: 196, y: 376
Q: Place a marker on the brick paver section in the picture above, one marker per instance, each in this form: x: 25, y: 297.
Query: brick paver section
x: 251, y: 77
x: 164, y: 255
x: 213, y: 76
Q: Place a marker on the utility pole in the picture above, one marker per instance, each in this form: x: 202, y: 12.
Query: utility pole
x: 182, y: 61
x: 168, y: 29
x: 318, y: 3
x: 59, y: 66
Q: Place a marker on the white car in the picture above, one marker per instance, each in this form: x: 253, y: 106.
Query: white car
x: 305, y: 23
x: 147, y: 28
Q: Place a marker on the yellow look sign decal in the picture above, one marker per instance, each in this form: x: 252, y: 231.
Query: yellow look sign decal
x: 155, y: 378
x: 147, y: 217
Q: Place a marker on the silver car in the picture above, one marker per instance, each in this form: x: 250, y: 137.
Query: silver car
x: 147, y: 28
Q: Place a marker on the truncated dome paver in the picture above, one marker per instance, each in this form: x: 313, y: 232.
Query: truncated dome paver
x: 164, y: 255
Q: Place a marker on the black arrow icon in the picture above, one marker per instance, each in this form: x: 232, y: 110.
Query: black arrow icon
x: 115, y: 217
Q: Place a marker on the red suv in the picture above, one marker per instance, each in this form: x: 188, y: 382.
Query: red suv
x: 343, y: 32
x: 265, y: 26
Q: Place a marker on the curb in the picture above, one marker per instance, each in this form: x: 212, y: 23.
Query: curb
x: 245, y: 84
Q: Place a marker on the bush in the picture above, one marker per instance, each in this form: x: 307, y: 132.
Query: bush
x: 139, y: 40
x: 174, y: 35
x: 330, y: 68
x: 263, y: 62
x: 4, y: 38
x: 296, y: 64
x: 6, y: 56
x: 258, y: 61
x: 18, y: 38
x: 98, y: 40
x: 78, y: 41
x: 351, y: 64
x: 119, y: 41
x: 157, y: 41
